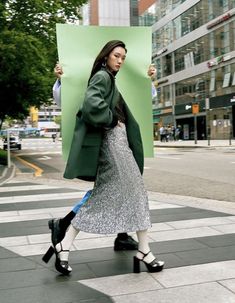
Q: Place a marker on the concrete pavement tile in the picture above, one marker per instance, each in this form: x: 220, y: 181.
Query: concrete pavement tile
x: 17, y: 279
x: 14, y: 241
x: 177, y: 246
x: 8, y: 213
x: 27, y: 188
x: 5, y: 253
x: 18, y: 183
x: 26, y: 195
x: 54, y: 293
x: 208, y: 255
x: 185, y: 214
x: 112, y: 267
x: 200, y: 222
x: 82, y: 244
x: 232, y: 218
x: 203, y: 293
x: 183, y: 234
x: 196, y: 274
x: 96, y: 255
x: 160, y: 226
x: 123, y: 284
x: 16, y: 264
x: 34, y: 205
x: 33, y: 217
x: 160, y: 205
x: 227, y: 228
x: 230, y: 284
x: 76, y: 195
x: 215, y: 241
x: 24, y: 228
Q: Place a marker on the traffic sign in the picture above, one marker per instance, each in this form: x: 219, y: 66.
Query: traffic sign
x: 195, y: 108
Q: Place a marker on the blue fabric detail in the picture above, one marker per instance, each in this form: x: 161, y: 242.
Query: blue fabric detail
x: 80, y: 203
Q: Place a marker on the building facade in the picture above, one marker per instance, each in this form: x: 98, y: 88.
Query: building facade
x: 194, y: 53
x: 111, y: 12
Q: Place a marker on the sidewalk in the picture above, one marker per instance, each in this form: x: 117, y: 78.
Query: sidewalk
x: 200, y: 144
x: 195, y: 237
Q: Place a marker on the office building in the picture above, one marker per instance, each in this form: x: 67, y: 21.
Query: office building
x: 194, y: 52
x: 110, y: 12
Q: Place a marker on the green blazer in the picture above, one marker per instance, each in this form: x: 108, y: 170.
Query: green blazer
x: 96, y: 114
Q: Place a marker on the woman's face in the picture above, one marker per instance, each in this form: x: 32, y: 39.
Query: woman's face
x: 116, y: 58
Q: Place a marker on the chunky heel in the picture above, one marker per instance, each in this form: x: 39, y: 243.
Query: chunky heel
x: 154, y: 266
x: 48, y: 254
x: 136, y: 265
x: 50, y: 224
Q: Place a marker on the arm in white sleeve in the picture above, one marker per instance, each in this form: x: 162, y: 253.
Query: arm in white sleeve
x: 56, y: 92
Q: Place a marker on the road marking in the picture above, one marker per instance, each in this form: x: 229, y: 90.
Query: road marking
x: 41, y: 197
x: 166, y: 157
x: 44, y: 158
x: 26, y: 188
x: 38, y: 171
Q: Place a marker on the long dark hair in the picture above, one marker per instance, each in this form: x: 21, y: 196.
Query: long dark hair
x: 104, y: 53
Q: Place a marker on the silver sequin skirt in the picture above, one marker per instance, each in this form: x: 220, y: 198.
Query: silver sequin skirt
x: 118, y: 202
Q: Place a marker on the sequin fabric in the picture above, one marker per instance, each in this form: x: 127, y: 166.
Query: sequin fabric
x: 118, y: 202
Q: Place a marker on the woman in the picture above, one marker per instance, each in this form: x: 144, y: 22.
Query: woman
x: 109, y: 151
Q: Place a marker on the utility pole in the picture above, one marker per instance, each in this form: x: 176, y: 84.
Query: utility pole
x: 8, y: 150
x: 195, y: 111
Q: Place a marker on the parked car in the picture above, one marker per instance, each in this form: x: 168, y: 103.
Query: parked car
x: 15, y: 142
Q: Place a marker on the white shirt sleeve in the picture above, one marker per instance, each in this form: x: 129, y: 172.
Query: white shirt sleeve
x: 56, y: 92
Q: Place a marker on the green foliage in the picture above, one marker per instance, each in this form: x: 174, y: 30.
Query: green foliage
x: 3, y: 157
x: 28, y: 51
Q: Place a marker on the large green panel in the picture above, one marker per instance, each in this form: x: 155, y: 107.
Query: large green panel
x: 78, y: 47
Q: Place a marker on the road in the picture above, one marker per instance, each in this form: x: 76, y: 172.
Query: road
x: 197, y: 172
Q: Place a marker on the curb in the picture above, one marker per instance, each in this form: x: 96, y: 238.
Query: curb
x: 8, y: 173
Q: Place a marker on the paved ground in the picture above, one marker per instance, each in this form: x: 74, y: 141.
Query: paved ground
x: 195, y: 237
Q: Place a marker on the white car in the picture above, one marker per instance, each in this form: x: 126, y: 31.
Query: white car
x: 15, y: 142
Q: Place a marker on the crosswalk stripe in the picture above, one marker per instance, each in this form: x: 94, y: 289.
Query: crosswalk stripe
x: 41, y: 197
x: 45, y: 213
x: 25, y: 188
x: 36, y: 244
x: 25, y: 247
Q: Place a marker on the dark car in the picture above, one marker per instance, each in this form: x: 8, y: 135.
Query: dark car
x: 15, y: 142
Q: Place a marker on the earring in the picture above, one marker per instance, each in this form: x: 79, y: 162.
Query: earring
x: 104, y: 64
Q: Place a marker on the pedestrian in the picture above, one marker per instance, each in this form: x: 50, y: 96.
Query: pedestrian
x: 162, y: 132
x: 59, y: 226
x: 111, y: 154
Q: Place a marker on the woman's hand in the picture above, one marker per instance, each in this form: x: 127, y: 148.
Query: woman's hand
x: 152, y: 71
x: 58, y: 71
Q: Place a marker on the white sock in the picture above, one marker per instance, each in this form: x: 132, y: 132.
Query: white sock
x: 67, y: 242
x: 143, y: 247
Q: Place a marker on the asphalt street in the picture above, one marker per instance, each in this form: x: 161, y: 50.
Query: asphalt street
x: 203, y: 172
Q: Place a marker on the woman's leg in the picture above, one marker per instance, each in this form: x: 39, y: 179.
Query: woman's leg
x: 59, y: 226
x: 145, y: 255
x: 62, y: 250
x: 143, y: 247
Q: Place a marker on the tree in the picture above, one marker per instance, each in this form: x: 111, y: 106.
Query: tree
x: 28, y: 51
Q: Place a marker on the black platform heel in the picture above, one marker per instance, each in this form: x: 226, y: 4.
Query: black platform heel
x: 56, y: 236
x: 62, y: 266
x: 48, y: 254
x: 154, y: 266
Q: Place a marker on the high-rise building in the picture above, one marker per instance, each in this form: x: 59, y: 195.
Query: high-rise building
x: 194, y: 52
x: 108, y: 12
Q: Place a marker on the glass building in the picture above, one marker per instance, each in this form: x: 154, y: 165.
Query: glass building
x: 193, y: 46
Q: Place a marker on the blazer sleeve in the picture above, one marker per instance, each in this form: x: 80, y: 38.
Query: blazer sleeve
x: 96, y: 109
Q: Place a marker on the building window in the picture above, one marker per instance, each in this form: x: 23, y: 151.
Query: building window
x: 226, y: 80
